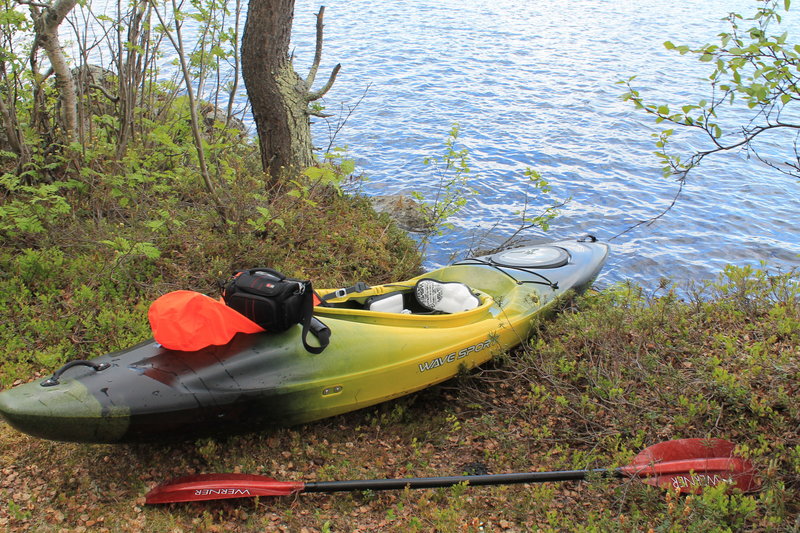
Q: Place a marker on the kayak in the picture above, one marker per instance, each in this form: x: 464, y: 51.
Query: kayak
x: 378, y: 351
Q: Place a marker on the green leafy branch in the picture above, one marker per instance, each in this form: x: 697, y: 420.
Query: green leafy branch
x: 452, y: 191
x: 29, y: 209
x: 540, y: 220
x: 751, y: 65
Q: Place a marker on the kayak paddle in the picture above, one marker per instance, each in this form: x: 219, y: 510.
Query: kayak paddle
x: 686, y: 465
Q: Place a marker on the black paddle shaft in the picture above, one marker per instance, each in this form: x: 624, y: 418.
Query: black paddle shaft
x: 449, y: 481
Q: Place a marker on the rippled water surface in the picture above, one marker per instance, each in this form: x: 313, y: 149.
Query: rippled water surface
x: 533, y: 84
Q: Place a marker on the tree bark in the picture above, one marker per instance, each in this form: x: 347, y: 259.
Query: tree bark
x: 279, y: 96
x: 15, y: 139
x: 46, y: 22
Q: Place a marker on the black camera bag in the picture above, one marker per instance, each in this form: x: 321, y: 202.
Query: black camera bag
x: 275, y: 303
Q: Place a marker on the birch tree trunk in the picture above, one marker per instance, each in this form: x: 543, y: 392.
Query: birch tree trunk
x: 46, y: 20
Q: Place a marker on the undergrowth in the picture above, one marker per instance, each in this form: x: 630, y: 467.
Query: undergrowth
x: 621, y: 370
x: 79, y: 285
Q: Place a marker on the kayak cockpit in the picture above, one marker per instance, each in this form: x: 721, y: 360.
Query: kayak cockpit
x: 397, y: 304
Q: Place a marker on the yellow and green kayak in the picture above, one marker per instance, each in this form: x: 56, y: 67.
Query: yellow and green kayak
x: 263, y: 379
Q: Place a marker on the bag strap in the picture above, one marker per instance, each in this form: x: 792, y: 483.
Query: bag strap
x: 321, y: 332
x: 313, y: 324
x: 341, y: 293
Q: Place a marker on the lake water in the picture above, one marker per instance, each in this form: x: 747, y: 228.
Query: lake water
x: 533, y: 84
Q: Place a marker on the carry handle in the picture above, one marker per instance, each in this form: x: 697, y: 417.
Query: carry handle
x: 301, y: 285
x: 269, y: 271
x: 53, y: 380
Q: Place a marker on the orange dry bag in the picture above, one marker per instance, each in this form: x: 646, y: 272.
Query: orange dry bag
x: 189, y: 321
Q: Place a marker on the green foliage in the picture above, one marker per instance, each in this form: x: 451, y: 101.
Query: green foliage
x: 13, y: 22
x: 541, y: 187
x: 753, y: 291
x: 453, y: 191
x: 124, y: 249
x: 621, y: 370
x: 540, y: 193
x: 31, y: 209
x: 265, y: 217
x: 84, y: 289
x: 755, y: 63
x: 16, y: 512
x: 334, y: 171
x: 453, y: 174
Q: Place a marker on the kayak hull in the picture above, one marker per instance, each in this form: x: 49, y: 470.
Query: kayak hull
x: 265, y: 379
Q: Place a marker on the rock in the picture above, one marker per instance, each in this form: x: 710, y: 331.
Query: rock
x: 212, y: 115
x: 404, y: 210
x: 87, y: 75
x: 99, y: 86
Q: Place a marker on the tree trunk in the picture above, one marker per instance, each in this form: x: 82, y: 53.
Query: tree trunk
x: 13, y: 134
x: 46, y: 23
x: 279, y: 96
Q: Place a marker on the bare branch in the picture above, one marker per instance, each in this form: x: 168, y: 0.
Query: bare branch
x: 312, y: 73
x: 177, y: 43
x: 652, y: 220
x: 748, y: 135
x: 33, y: 4
x: 102, y: 89
x: 526, y: 223
x: 327, y: 87
x: 334, y: 131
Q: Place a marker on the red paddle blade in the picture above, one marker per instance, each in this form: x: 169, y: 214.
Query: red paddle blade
x: 202, y: 487
x: 688, y: 465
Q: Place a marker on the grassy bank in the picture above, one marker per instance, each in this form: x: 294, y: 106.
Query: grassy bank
x: 613, y: 373
x: 82, y: 285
